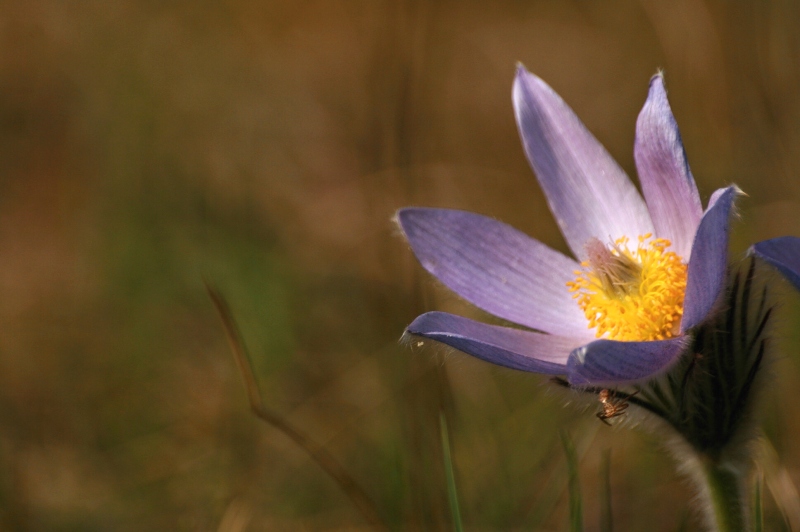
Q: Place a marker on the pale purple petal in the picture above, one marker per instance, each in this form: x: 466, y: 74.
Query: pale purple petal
x: 784, y: 254
x: 667, y: 182
x: 512, y: 348
x: 709, y: 259
x: 588, y: 193
x: 497, y: 268
x: 609, y: 362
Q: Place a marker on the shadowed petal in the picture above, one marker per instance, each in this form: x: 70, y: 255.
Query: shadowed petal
x: 667, y: 182
x: 784, y: 254
x: 497, y: 268
x: 608, y: 362
x: 588, y: 193
x: 512, y: 348
x: 709, y: 259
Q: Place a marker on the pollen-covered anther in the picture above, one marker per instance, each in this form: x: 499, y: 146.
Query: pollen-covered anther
x: 631, y: 295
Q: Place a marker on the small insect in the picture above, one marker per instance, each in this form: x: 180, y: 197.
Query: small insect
x: 613, y: 406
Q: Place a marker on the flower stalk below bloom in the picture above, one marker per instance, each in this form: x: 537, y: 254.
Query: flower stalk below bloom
x: 706, y: 399
x: 725, y: 497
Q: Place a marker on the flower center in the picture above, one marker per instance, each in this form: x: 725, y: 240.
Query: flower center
x: 631, y: 295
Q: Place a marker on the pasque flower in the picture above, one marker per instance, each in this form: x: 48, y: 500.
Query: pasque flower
x: 648, y: 271
x: 649, y: 304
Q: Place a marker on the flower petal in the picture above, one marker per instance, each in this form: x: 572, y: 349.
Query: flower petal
x: 709, y: 259
x: 588, y: 193
x: 496, y: 268
x: 609, y: 362
x: 512, y: 348
x: 667, y: 182
x: 784, y: 254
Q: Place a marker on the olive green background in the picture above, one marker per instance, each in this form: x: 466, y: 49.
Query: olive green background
x: 264, y: 146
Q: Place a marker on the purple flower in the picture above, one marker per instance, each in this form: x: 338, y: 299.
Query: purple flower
x: 648, y: 271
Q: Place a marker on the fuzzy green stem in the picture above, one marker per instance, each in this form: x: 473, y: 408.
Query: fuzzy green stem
x: 727, y: 505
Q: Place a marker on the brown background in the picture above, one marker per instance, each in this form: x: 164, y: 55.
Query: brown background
x: 265, y: 146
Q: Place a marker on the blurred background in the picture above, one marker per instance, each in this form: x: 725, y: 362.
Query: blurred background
x: 263, y: 146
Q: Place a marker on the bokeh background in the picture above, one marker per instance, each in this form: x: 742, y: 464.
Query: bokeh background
x: 263, y: 146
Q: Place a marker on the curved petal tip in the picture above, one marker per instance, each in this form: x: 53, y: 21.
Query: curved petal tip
x: 782, y: 253
x: 495, y: 267
x: 612, y: 363
x: 667, y: 182
x: 587, y: 191
x: 709, y: 259
x: 504, y: 346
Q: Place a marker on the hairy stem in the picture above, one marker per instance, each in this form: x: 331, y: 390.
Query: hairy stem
x: 726, y: 504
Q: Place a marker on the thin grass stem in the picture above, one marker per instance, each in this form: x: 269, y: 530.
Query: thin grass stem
x: 575, y: 502
x: 452, y: 492
x: 315, y: 451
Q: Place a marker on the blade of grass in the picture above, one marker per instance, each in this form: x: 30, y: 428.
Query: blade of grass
x: 606, y: 515
x: 316, y: 452
x: 780, y: 484
x: 758, y: 511
x: 452, y: 493
x: 537, y: 512
x: 575, y: 505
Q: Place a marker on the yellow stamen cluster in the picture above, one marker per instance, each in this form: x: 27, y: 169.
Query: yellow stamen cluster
x: 631, y: 295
